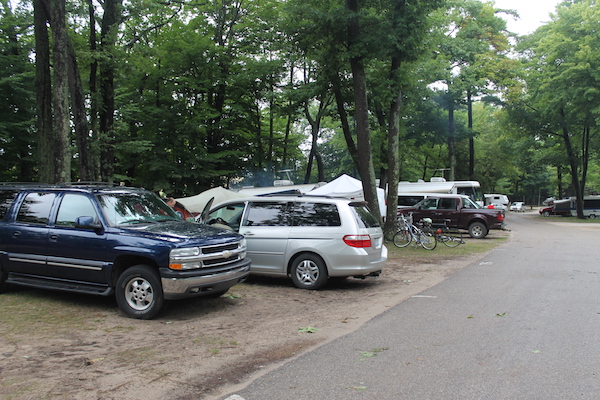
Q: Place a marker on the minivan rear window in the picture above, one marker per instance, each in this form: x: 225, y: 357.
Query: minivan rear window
x: 364, y: 217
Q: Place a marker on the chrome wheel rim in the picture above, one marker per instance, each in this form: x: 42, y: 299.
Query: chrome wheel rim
x: 139, y: 294
x: 307, y: 272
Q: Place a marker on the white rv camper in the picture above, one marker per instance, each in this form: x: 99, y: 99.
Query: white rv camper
x: 441, y: 185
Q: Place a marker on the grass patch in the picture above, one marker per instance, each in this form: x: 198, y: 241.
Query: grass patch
x: 25, y: 311
x: 442, y: 252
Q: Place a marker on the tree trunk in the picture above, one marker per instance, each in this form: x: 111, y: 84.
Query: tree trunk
x: 80, y: 122
x: 451, y: 140
x: 361, y: 108
x: 110, y: 21
x: 339, y: 101
x: 393, y: 156
x: 43, y: 92
x: 471, y: 136
x: 573, y: 162
x: 62, y: 120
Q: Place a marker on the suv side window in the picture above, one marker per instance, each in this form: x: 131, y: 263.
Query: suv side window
x: 266, y: 214
x: 73, y: 206
x: 6, y: 199
x: 36, y: 208
x: 315, y: 214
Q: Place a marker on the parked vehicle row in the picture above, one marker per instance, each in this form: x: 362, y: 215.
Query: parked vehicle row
x: 126, y: 242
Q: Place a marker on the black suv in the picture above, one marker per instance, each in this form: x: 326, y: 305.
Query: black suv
x: 106, y: 240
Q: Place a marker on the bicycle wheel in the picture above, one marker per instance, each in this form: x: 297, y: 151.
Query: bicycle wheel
x: 427, y: 241
x: 452, y: 239
x: 402, y: 238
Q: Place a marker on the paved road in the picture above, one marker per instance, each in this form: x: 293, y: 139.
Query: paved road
x: 522, y: 323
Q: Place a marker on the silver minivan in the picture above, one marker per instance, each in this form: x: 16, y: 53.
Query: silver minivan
x: 309, y: 239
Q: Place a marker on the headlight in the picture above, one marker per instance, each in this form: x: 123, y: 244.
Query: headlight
x: 185, y: 252
x: 180, y: 258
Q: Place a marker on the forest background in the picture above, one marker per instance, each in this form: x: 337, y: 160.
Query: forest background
x: 180, y: 96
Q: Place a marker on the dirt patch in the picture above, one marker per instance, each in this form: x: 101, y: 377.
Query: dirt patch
x: 196, y: 349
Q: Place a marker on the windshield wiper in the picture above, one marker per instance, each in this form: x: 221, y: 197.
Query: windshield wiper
x: 136, y: 221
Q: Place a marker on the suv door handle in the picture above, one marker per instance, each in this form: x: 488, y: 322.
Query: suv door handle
x: 248, y: 233
x: 16, y: 233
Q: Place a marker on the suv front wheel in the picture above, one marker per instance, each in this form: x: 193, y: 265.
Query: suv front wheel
x: 309, y: 272
x: 3, y: 284
x: 139, y: 292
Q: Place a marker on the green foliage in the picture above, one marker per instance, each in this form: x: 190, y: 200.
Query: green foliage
x: 213, y: 91
x: 17, y: 97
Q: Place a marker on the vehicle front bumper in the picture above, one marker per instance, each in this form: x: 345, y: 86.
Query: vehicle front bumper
x: 191, y: 286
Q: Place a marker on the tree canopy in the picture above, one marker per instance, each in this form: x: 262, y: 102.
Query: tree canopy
x: 182, y: 96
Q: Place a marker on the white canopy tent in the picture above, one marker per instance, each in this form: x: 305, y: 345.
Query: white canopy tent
x: 347, y: 186
x: 196, y: 204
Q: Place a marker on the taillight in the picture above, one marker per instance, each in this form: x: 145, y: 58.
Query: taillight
x: 500, y: 217
x: 358, y: 240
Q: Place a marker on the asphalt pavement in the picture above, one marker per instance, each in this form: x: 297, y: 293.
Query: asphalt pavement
x: 521, y: 323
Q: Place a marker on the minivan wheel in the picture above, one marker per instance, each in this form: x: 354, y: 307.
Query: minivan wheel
x: 477, y: 230
x: 139, y: 292
x: 309, y: 272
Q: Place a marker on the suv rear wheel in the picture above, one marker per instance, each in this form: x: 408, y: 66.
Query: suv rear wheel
x: 309, y: 272
x: 139, y: 292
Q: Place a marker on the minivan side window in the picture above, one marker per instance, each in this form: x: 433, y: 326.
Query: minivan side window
x: 315, y: 214
x: 266, y: 214
x: 36, y: 208
x: 73, y: 206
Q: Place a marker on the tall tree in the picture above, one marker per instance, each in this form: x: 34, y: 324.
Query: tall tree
x: 563, y: 91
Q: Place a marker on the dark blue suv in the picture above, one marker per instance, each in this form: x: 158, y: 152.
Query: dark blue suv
x: 107, y: 240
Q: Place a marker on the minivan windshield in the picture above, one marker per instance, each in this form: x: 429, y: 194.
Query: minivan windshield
x: 364, y: 217
x: 135, y: 208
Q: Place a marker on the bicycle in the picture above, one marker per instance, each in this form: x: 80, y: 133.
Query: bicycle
x: 408, y: 233
x: 449, y: 236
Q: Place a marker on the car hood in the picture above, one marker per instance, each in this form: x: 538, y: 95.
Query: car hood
x: 181, y: 230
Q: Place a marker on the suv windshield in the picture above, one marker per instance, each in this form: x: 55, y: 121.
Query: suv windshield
x: 135, y: 208
x: 363, y: 216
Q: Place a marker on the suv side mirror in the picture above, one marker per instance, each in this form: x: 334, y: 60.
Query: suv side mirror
x: 86, y: 223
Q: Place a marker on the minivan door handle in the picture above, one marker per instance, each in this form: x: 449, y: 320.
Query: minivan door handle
x: 248, y: 233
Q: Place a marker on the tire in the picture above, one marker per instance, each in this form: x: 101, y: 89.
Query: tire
x: 3, y: 284
x: 139, y: 292
x: 402, y: 238
x: 427, y: 241
x: 546, y: 214
x: 309, y: 272
x: 452, y: 239
x: 592, y: 216
x: 477, y: 230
